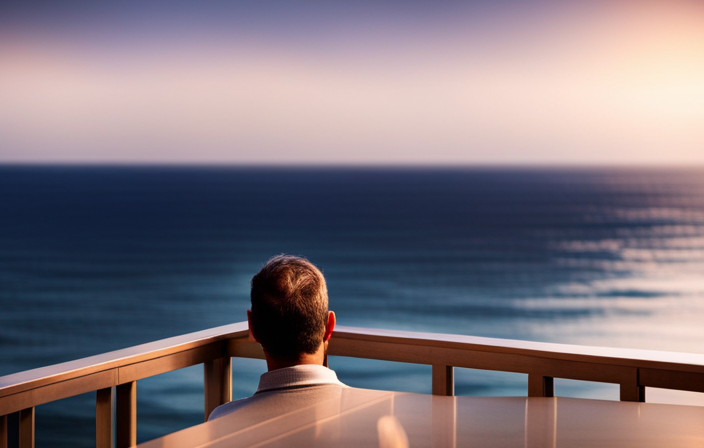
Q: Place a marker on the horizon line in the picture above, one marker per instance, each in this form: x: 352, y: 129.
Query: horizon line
x: 370, y: 165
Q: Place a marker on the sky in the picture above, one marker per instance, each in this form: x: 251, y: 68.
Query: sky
x: 534, y: 82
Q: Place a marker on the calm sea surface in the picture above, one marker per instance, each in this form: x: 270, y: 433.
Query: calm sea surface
x: 94, y: 259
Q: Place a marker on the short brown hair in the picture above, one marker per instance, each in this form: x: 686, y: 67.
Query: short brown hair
x: 289, y: 307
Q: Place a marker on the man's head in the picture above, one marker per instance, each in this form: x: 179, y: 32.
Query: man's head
x: 289, y: 315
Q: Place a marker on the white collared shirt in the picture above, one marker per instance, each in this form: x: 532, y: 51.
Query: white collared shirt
x: 287, y: 388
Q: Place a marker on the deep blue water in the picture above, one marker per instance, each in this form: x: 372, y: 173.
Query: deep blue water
x: 94, y: 259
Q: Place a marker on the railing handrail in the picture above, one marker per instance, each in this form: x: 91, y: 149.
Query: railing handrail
x: 682, y: 361
x: 29, y: 379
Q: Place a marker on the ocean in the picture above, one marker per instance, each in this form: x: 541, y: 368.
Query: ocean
x: 98, y: 258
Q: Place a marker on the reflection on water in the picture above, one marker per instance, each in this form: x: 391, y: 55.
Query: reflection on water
x: 94, y: 259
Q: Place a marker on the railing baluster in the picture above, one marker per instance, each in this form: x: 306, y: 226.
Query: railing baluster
x: 27, y: 428
x: 103, y: 418
x: 3, y: 431
x: 13, y: 429
x: 443, y: 380
x: 217, y: 375
x: 540, y: 385
x: 126, y: 415
x: 631, y: 392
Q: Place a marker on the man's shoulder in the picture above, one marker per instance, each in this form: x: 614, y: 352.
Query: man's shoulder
x: 228, y: 408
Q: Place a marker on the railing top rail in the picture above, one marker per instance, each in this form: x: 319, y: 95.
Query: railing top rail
x: 29, y: 379
x: 612, y: 355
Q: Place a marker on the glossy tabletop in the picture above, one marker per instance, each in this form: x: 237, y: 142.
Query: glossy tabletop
x: 362, y: 417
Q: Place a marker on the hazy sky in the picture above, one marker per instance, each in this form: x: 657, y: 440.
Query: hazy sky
x: 412, y: 82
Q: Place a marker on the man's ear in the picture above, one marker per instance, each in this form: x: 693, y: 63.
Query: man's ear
x: 249, y: 322
x: 330, y: 326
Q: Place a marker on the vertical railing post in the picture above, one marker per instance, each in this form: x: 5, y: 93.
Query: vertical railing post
x: 12, y: 433
x: 631, y: 392
x: 27, y: 428
x: 103, y: 418
x: 443, y: 380
x: 3, y: 431
x: 540, y: 385
x: 217, y: 375
x: 126, y: 415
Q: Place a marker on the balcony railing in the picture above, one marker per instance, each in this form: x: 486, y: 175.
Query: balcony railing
x: 632, y: 370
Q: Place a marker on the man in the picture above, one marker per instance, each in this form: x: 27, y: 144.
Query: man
x: 290, y: 320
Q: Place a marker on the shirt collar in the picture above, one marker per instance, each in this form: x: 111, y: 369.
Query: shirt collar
x: 296, y: 376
